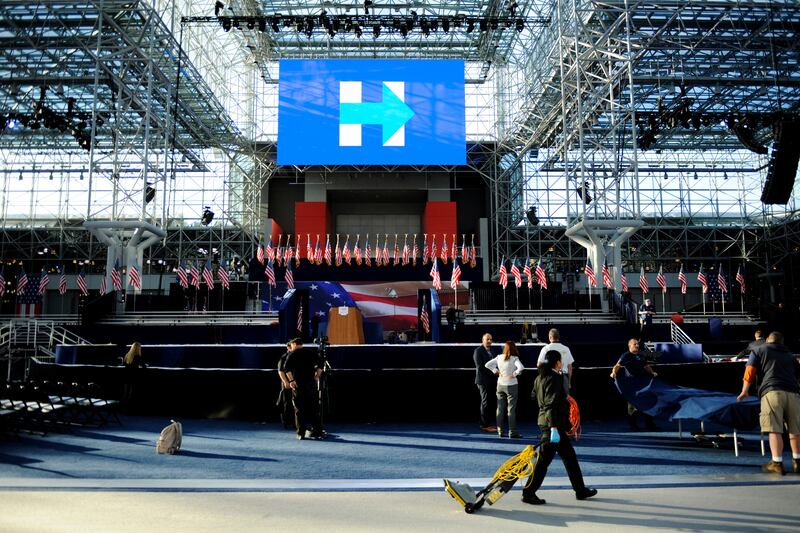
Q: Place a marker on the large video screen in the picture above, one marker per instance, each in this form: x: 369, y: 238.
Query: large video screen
x: 371, y: 112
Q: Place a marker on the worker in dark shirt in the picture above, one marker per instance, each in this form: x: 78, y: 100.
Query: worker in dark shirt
x: 486, y: 382
x: 755, y: 343
x: 779, y: 371
x: 646, y: 312
x: 303, y: 371
x: 550, y: 392
x: 636, y: 365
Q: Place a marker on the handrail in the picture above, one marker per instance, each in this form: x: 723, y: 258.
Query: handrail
x: 679, y: 336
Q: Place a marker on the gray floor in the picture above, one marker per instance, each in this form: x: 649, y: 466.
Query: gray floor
x: 771, y: 507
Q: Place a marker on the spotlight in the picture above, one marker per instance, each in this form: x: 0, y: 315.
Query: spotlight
x: 426, y: 29
x: 262, y: 24
x: 357, y: 29
x: 367, y: 3
x: 583, y: 192
x: 208, y: 216
x: 149, y: 194
x: 520, y: 25
x: 218, y: 6
x: 403, y: 30
x: 483, y: 24
x: 376, y: 30
x: 531, y: 214
x: 226, y: 23
x: 275, y: 24
x: 470, y: 25
x: 446, y: 25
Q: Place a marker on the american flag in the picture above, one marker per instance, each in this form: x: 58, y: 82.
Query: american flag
x: 135, y: 279
x: 386, y: 251
x: 433, y: 246
x: 426, y: 252
x: 516, y: 273
x: 357, y: 250
x: 623, y: 281
x: 424, y: 318
x: 288, y: 253
x: 437, y: 280
x: 396, y: 254
x: 260, y: 253
x: 300, y: 319
x: 277, y: 255
x: 269, y: 253
x: 406, y: 251
x: 270, y: 272
x: 208, y: 275
x: 116, y: 276
x: 661, y: 280
x: 454, y: 248
x: 528, y: 273
x: 739, y: 279
x: 607, y: 281
x: 589, y: 271
x: 371, y: 299
x: 82, y: 283
x: 503, y: 274
x: 443, y: 252
x: 44, y: 281
x: 346, y: 252
x: 222, y: 273
x: 378, y: 251
x: 464, y: 250
x: 309, y: 249
x: 289, y: 277
x: 318, y: 252
x: 715, y: 292
x: 2, y: 282
x: 541, y: 275
x: 194, y: 274
x: 415, y: 251
x: 367, y: 253
x: 29, y: 302
x: 682, y: 279
x: 455, y: 278
x: 183, y: 276
x: 328, y: 251
x: 643, y: 282
x: 701, y: 277
x: 473, y: 260
x: 22, y: 280
x: 338, y: 252
x: 62, y: 281
x: 722, y: 282
x: 103, y: 284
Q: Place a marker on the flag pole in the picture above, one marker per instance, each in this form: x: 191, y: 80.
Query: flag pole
x: 529, y: 298
x: 589, y: 290
x: 704, y: 301
x: 541, y: 298
x: 663, y: 301
x: 741, y: 299
x: 722, y: 296
x: 517, y: 289
x: 504, y: 298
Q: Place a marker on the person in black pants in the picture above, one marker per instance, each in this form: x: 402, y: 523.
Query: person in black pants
x: 303, y: 371
x: 551, y: 394
x: 486, y: 382
x: 284, y: 403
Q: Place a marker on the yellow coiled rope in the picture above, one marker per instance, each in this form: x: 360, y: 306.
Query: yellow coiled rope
x: 519, y: 466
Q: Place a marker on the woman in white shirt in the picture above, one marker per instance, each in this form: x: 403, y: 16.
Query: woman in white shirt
x: 507, y: 367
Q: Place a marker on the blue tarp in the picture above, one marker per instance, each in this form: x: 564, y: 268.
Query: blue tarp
x: 664, y: 400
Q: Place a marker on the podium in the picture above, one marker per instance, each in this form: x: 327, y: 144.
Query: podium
x: 345, y: 326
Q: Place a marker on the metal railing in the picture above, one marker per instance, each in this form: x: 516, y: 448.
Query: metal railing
x: 184, y: 318
x: 679, y: 336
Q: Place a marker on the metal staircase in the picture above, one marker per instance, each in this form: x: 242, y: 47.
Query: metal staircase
x: 22, y: 339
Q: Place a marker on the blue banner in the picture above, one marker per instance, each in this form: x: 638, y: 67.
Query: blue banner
x: 371, y: 112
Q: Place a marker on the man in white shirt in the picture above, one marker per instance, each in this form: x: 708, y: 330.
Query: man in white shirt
x: 566, y: 355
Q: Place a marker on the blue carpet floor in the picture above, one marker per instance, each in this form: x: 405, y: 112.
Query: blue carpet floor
x: 227, y: 450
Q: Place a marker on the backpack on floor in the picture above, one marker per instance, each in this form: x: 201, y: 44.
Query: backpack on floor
x: 170, y: 439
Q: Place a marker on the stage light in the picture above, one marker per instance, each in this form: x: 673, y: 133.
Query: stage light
x: 149, y: 194
x: 262, y: 24
x: 531, y: 214
x: 226, y: 23
x: 218, y: 6
x: 425, y: 27
x: 520, y: 25
x: 483, y: 24
x: 208, y: 216
x: 275, y: 24
x: 470, y: 25
x: 403, y: 30
x: 357, y: 29
x: 376, y: 30
x: 367, y: 3
x: 51, y: 175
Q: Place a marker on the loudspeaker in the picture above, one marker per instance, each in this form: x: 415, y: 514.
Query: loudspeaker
x: 783, y: 163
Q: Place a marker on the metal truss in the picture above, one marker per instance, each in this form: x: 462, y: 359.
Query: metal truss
x: 652, y: 110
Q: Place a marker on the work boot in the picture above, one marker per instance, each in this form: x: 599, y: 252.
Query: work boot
x: 533, y: 499
x: 774, y: 468
x: 796, y: 466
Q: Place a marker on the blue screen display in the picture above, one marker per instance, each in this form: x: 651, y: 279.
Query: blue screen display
x: 371, y: 112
